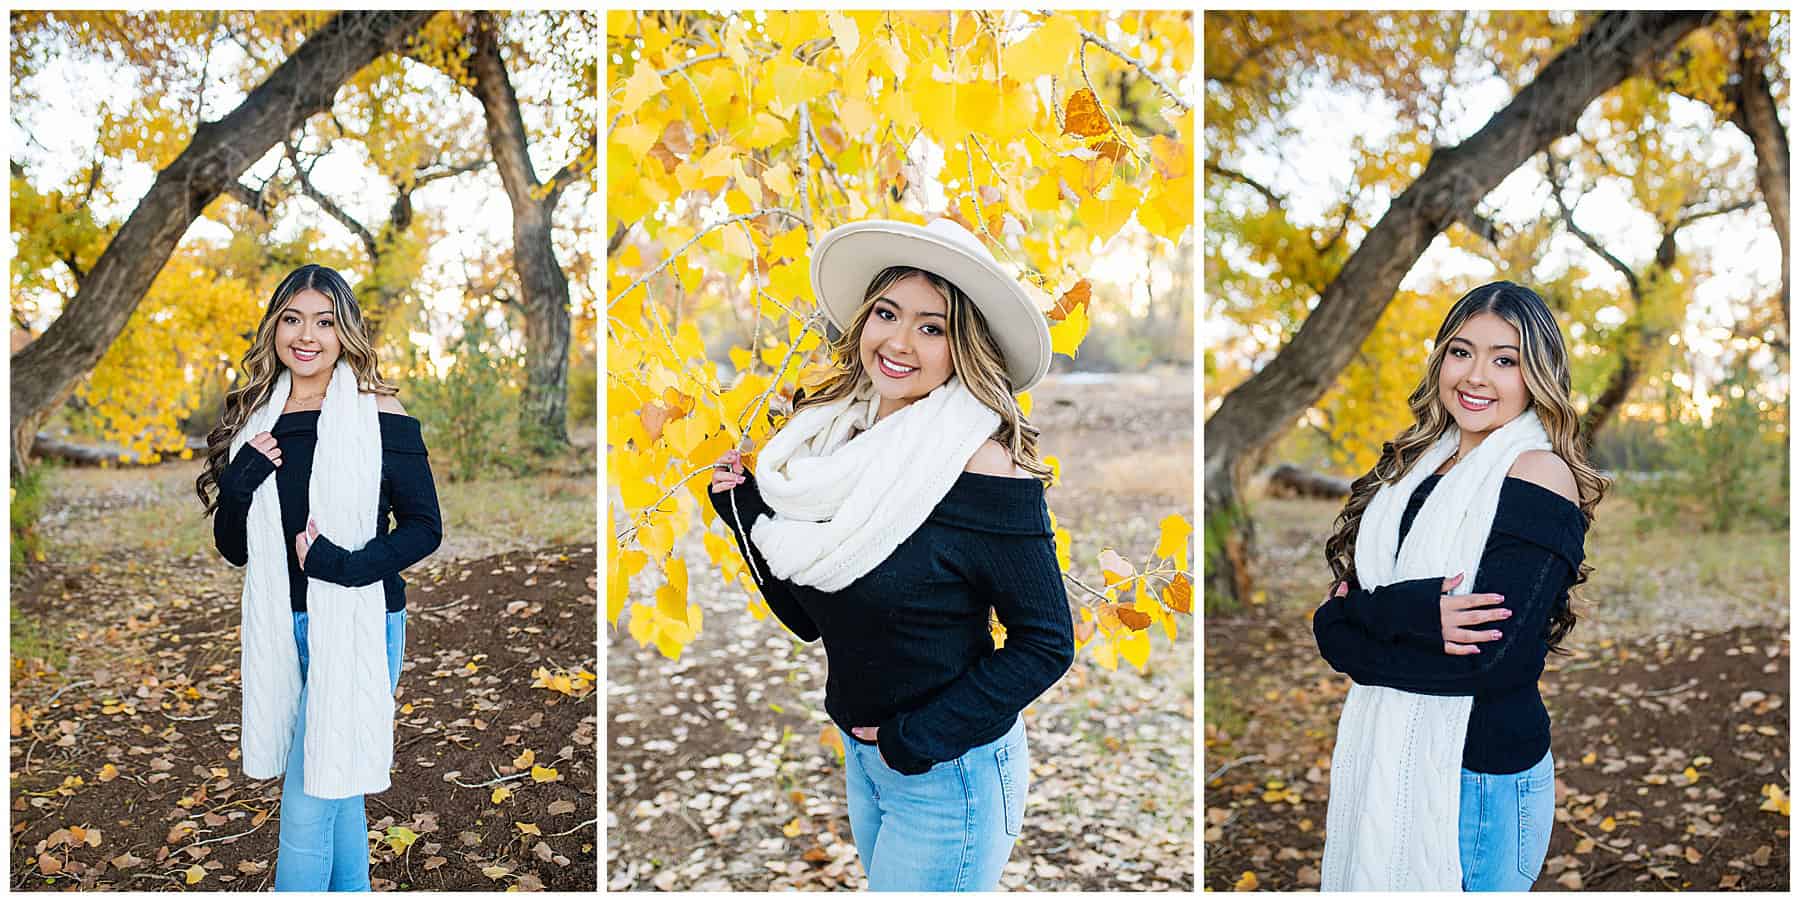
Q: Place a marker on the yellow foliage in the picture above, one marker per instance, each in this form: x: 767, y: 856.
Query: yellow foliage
x: 850, y: 89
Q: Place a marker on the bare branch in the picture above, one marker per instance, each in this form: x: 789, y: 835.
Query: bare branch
x: 303, y: 177
x: 753, y: 214
x: 425, y: 178
x: 1142, y: 68
x: 1274, y: 199
x: 254, y: 198
x: 1553, y: 171
x: 1692, y: 218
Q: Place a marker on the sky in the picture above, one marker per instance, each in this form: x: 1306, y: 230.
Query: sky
x: 58, y: 108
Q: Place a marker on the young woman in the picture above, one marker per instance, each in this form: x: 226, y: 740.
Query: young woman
x: 322, y: 565
x: 898, y: 504
x: 1455, y: 556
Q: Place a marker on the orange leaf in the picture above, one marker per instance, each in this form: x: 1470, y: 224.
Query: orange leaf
x: 1078, y: 295
x: 1082, y: 116
x: 1179, y: 595
x: 1132, y: 617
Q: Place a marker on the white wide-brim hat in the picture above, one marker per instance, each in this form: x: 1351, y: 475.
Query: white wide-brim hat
x: 849, y: 257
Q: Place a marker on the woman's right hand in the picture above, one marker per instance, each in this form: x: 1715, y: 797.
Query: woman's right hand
x: 1459, y: 612
x: 265, y: 443
x: 728, y: 472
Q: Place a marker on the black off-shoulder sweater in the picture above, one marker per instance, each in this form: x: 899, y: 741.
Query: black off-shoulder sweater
x: 407, y: 492
x: 907, y: 644
x: 1393, y: 636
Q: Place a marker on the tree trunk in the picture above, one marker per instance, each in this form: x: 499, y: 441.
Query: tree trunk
x: 1755, y: 115
x: 541, y: 279
x: 1253, y: 415
x: 46, y: 371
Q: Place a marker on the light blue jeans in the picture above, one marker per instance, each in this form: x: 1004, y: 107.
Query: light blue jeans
x: 325, y: 842
x: 948, y: 829
x: 1504, y: 827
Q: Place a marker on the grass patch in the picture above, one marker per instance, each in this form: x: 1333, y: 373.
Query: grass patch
x: 154, y: 510
x: 1222, y: 714
x: 1648, y: 574
x: 33, y: 643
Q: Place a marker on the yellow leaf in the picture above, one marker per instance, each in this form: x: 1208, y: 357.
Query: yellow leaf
x: 398, y: 838
x: 1114, y: 567
x: 501, y: 794
x: 526, y: 758
x: 765, y: 130
x: 1172, y: 543
x: 1067, y: 335
x: 1047, y: 50
x: 643, y: 85
x: 1608, y: 825
x: 1171, y: 157
x: 1103, y: 217
x: 792, y: 829
x: 194, y: 874
x: 1024, y: 402
x: 1246, y: 883
x: 494, y: 872
x: 843, y: 28
x: 107, y: 773
x: 1134, y: 647
x: 541, y: 774
x: 529, y: 829
x: 1692, y: 775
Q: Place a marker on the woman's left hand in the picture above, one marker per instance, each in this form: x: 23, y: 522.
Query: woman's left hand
x: 304, y: 540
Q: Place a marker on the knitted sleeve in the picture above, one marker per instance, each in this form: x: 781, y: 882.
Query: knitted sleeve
x: 418, y: 524
x: 1407, y: 609
x: 1531, y: 577
x: 1020, y: 575
x: 237, y: 485
x: 779, y: 593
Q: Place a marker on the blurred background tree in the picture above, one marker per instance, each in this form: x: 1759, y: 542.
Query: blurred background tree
x: 1364, y: 169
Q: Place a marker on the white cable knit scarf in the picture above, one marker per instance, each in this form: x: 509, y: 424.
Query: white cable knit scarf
x: 841, y: 505
x: 349, y: 726
x: 1396, y: 770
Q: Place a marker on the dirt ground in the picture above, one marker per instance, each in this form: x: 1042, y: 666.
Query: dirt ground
x: 1670, y: 736
x: 124, y: 733
x: 716, y: 775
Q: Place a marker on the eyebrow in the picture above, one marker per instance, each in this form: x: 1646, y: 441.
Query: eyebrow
x: 1513, y: 348
x: 898, y: 307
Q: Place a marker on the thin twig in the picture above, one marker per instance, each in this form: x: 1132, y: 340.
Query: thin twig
x: 1231, y: 764
x: 1117, y: 134
x: 59, y: 692
x: 753, y: 214
x: 1143, y: 69
x: 208, y: 842
x: 499, y: 780
x: 805, y: 170
x: 587, y: 823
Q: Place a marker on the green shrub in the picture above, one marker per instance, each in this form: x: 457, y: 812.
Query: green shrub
x: 470, y: 412
x: 1723, y: 471
x: 29, y: 491
x: 584, y: 393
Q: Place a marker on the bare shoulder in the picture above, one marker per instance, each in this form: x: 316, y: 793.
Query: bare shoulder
x: 992, y: 460
x: 1546, y: 469
x: 389, y: 404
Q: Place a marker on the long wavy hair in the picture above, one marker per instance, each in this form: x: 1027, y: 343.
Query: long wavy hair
x: 1544, y: 361
x: 257, y: 372
x: 974, y: 355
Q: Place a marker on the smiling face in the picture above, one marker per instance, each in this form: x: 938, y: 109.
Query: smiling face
x: 306, y: 337
x: 905, y: 348
x: 1480, y: 381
